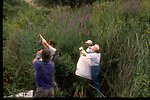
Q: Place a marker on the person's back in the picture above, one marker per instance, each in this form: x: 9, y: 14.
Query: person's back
x: 44, y: 74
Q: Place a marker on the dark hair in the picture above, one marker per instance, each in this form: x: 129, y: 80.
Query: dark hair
x: 46, y: 55
x: 52, y: 43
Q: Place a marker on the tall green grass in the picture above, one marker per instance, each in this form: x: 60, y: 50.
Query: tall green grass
x: 122, y: 33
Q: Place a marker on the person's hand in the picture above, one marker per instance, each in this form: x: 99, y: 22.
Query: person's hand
x: 40, y: 36
x: 81, y: 48
x: 39, y: 52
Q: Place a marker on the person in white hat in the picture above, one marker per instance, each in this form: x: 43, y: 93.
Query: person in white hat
x: 96, y: 71
x: 89, y: 44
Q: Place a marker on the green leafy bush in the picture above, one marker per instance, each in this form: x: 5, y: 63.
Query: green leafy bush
x: 11, y: 7
x: 65, y: 67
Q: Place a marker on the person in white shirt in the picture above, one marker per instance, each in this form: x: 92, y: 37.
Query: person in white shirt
x: 47, y: 45
x: 96, y: 71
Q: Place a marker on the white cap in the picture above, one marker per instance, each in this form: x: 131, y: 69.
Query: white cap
x: 95, y: 47
x: 89, y: 42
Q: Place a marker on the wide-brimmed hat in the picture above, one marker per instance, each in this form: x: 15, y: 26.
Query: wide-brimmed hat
x: 89, y: 42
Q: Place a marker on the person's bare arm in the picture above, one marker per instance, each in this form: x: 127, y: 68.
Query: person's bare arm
x: 82, y: 51
x: 35, y: 59
x: 38, y: 56
x: 45, y: 43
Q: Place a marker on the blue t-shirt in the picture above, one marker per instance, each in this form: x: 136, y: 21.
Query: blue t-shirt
x: 44, y: 74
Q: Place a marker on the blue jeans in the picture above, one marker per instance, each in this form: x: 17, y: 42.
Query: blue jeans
x: 96, y: 73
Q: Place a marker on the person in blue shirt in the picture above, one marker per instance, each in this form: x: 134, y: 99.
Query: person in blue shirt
x: 44, y: 74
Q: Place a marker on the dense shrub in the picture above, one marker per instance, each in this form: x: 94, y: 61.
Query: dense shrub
x: 71, y: 3
x: 65, y: 67
x: 11, y: 7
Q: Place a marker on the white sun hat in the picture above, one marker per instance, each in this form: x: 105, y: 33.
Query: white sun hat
x: 89, y: 42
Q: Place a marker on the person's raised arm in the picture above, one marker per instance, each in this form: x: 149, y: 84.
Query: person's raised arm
x: 82, y: 52
x: 45, y: 43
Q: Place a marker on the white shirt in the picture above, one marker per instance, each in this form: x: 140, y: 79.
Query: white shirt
x: 52, y: 50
